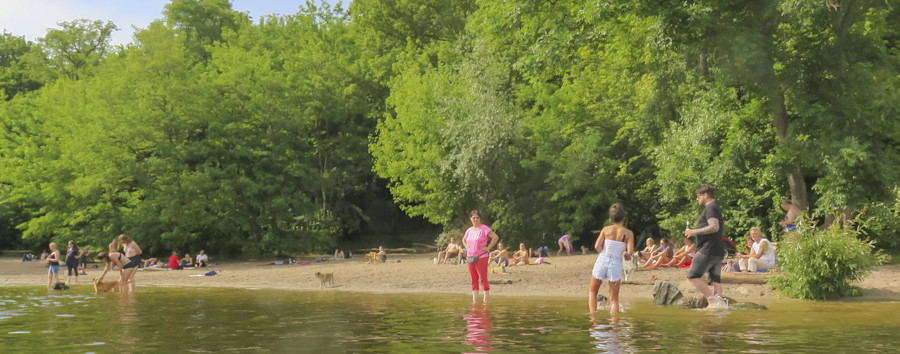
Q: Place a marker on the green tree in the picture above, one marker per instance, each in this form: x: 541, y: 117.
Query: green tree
x: 73, y: 50
x: 15, y: 78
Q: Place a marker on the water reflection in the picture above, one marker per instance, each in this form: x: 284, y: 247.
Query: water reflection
x: 478, y: 331
x: 607, y: 336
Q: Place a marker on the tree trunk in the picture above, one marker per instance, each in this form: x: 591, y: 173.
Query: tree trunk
x: 780, y: 120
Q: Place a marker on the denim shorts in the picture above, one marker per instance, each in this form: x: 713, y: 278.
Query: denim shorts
x: 54, y: 269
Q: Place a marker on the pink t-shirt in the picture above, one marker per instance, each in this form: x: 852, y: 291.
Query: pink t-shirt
x: 476, y: 238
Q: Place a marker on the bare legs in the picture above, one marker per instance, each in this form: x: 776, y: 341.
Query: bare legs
x: 613, y: 296
x: 592, y: 294
x: 475, y: 297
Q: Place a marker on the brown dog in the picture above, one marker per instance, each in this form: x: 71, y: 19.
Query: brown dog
x: 372, y: 257
x: 101, y: 286
x: 326, y: 278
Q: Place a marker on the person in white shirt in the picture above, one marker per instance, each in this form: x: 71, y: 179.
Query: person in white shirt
x: 762, y: 255
x: 202, y: 259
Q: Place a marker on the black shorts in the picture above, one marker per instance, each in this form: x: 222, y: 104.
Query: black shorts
x: 703, y: 264
x: 133, y: 262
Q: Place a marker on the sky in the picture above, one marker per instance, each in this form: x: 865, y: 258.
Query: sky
x: 32, y: 18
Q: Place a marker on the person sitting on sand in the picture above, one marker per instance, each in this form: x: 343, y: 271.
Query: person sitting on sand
x: 685, y: 254
x: 761, y: 257
x: 44, y: 256
x: 173, y: 261
x: 338, y: 254
x: 150, y: 262
x: 452, y: 250
x: 500, y: 255
x: 662, y: 255
x: 520, y: 258
x: 187, y: 261
x: 203, y: 259
x: 648, y: 251
x: 382, y: 255
x: 27, y: 257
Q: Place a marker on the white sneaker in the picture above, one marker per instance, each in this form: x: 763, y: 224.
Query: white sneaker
x: 717, y: 302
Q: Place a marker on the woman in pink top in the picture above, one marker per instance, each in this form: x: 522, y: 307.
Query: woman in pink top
x: 477, y: 250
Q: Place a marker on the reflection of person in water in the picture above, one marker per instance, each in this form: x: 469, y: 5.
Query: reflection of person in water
x: 478, y: 331
x: 606, y: 336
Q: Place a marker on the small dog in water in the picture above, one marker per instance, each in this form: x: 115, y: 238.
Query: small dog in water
x: 101, y: 286
x: 325, y: 278
x: 603, y: 304
x: 628, y: 266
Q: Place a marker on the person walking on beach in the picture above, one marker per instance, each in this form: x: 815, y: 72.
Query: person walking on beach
x: 710, y: 249
x: 53, y: 262
x: 613, y: 242
x: 73, y: 256
x: 477, y: 249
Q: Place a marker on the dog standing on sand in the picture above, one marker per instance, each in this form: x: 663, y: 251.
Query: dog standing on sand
x: 101, y: 286
x: 325, y: 278
x: 628, y: 266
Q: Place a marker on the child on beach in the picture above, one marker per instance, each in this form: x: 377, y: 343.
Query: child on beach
x: 614, y: 242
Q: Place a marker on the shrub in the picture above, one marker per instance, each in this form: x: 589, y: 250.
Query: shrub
x: 819, y: 264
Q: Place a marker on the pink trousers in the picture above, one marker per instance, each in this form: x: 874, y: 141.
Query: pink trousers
x: 479, y: 270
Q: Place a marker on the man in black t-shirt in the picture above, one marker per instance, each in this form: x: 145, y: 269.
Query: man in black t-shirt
x: 710, y: 250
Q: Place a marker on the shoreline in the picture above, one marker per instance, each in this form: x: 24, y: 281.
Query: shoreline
x: 565, y: 277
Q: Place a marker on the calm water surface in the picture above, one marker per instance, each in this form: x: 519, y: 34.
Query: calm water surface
x: 229, y: 320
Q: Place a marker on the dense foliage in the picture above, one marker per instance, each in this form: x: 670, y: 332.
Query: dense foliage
x: 282, y: 135
x: 821, y: 264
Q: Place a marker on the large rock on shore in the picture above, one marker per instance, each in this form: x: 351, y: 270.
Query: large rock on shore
x: 667, y: 294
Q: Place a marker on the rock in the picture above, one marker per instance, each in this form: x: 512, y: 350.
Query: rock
x: 664, y: 293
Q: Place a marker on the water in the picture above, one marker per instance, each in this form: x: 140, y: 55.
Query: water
x: 232, y: 320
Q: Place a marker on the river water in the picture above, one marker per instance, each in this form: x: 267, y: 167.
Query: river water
x: 157, y: 320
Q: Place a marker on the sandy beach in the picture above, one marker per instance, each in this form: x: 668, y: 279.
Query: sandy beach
x: 565, y: 277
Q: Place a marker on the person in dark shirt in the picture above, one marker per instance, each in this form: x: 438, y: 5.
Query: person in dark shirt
x: 710, y: 250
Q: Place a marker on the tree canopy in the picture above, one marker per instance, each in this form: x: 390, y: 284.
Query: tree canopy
x: 210, y: 130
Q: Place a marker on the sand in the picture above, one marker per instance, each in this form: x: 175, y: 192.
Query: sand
x: 565, y: 277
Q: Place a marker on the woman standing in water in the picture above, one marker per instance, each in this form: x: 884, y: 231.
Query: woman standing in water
x: 133, y: 252
x: 611, y: 244
x: 477, y: 251
x: 53, y: 262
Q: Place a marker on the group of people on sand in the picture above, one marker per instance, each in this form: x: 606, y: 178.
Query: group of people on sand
x: 75, y: 260
x: 176, y: 263
x: 123, y: 254
x: 615, y: 243
x: 664, y: 256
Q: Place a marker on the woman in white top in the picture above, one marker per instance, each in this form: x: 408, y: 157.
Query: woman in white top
x: 761, y: 257
x: 611, y: 244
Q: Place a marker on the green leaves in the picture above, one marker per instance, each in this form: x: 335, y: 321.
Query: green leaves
x: 820, y: 265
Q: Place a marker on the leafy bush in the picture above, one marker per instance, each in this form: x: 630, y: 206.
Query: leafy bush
x: 820, y: 264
